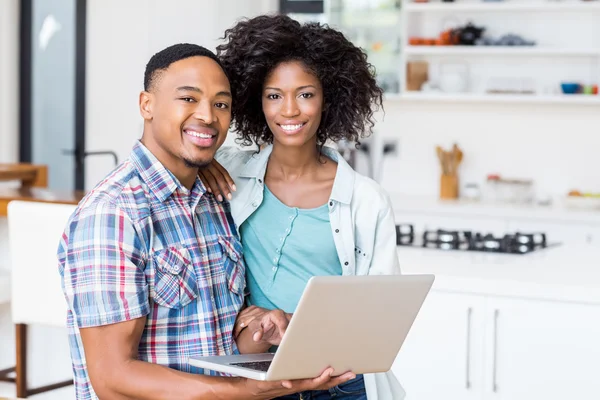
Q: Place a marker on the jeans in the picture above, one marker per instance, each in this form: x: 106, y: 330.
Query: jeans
x: 353, y: 389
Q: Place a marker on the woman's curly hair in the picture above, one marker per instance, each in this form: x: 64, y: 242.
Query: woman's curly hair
x: 254, y: 47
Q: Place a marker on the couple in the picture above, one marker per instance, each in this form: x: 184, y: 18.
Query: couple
x: 151, y: 261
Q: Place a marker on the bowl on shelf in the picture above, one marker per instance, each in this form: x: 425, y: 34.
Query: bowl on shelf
x: 570, y: 87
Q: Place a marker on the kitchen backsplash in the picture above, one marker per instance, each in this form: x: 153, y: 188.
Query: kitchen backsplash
x: 557, y: 147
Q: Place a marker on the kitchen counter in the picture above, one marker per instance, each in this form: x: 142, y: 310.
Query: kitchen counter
x: 28, y: 174
x: 39, y: 195
x: 432, y: 205
x: 568, y: 273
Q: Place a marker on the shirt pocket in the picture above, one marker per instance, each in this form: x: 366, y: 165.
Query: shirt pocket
x: 174, y: 277
x: 362, y: 261
x: 233, y: 264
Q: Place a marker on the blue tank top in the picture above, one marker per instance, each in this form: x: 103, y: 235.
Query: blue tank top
x: 283, y: 248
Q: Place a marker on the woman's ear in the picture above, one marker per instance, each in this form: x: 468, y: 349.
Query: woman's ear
x: 146, y: 99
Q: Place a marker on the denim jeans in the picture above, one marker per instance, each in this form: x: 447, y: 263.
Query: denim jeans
x: 354, y: 389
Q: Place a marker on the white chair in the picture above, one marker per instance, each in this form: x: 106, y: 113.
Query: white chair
x: 34, y: 231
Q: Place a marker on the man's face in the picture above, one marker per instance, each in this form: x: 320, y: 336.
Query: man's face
x: 189, y: 109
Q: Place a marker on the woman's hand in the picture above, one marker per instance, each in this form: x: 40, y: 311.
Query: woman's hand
x: 217, y: 180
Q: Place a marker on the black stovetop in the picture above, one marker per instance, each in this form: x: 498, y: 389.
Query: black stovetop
x: 510, y: 243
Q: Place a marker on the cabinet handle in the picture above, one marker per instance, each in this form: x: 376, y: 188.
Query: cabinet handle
x: 494, y: 366
x: 468, y: 364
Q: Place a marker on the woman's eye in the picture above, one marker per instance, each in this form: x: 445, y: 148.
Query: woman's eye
x: 222, y: 106
x: 272, y: 96
x: 306, y: 95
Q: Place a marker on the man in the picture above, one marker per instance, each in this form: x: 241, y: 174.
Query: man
x: 151, y: 263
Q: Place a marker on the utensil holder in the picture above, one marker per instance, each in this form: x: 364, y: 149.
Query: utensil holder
x: 448, y: 187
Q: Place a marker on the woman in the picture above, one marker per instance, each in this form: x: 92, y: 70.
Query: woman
x: 300, y: 208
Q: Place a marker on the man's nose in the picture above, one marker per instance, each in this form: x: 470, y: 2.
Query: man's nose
x: 204, y: 112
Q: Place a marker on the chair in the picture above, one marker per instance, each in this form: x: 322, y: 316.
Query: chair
x: 34, y: 231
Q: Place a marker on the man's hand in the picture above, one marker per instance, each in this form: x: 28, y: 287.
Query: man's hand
x: 261, y: 390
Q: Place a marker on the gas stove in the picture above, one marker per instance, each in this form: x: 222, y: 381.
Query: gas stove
x: 510, y: 243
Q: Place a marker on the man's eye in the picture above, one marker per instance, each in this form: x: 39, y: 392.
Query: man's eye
x: 188, y: 99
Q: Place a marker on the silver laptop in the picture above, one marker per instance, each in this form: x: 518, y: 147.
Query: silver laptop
x: 350, y: 323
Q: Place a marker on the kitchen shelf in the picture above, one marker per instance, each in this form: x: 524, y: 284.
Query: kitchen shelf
x: 499, y: 51
x: 591, y: 100
x: 503, y: 6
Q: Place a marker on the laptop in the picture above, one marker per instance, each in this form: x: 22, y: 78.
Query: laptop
x: 349, y: 323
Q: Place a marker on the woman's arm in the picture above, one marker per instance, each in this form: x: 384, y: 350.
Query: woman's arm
x: 385, y: 255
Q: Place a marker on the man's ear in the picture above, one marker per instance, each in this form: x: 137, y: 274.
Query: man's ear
x: 146, y: 102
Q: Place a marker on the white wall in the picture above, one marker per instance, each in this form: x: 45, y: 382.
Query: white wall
x: 556, y: 146
x: 117, y: 56
x: 9, y: 61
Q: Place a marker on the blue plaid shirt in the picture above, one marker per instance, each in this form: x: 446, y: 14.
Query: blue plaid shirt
x: 141, y: 244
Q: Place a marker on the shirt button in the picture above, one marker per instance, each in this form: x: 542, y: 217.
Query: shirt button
x: 331, y: 203
x: 275, y: 260
x: 254, y: 204
x: 291, y: 217
x: 346, y: 263
x: 274, y: 268
x: 337, y: 231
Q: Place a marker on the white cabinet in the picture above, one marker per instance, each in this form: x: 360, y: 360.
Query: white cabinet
x: 541, y: 350
x: 465, y: 346
x: 441, y: 357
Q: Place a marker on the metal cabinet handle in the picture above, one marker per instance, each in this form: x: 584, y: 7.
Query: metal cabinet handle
x: 468, y: 364
x: 495, y: 360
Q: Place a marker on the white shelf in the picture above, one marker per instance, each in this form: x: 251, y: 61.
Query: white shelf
x: 592, y: 100
x: 504, y: 6
x: 499, y: 51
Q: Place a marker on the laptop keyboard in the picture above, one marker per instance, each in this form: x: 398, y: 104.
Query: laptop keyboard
x: 255, y: 365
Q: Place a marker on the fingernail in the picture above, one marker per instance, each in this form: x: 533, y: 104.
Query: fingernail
x: 233, y: 187
x: 209, y: 190
x: 242, y: 324
x: 220, y: 198
x: 229, y: 196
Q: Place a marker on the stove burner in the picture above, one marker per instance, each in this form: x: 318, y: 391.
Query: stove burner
x: 513, y: 243
x: 405, y: 234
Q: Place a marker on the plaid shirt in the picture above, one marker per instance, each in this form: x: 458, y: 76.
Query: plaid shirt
x: 141, y: 244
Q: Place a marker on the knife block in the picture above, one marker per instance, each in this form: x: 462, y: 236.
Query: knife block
x: 448, y: 187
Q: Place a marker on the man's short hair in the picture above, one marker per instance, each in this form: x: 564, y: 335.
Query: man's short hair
x: 160, y: 61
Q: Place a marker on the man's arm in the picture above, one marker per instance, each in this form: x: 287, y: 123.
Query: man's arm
x: 116, y: 373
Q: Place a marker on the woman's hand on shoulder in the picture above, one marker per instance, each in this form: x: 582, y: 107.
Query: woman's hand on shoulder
x: 217, y: 180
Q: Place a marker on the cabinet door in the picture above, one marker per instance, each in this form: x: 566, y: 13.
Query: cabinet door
x: 441, y: 357
x: 541, y: 350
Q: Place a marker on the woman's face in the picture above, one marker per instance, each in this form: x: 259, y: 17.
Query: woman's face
x: 292, y: 103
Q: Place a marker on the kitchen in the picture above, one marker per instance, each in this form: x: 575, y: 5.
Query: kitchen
x: 536, y: 149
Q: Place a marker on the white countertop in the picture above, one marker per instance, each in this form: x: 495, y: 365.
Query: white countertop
x: 563, y: 273
x: 432, y: 205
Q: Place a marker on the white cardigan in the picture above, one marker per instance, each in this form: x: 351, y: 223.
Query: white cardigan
x: 362, y: 224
